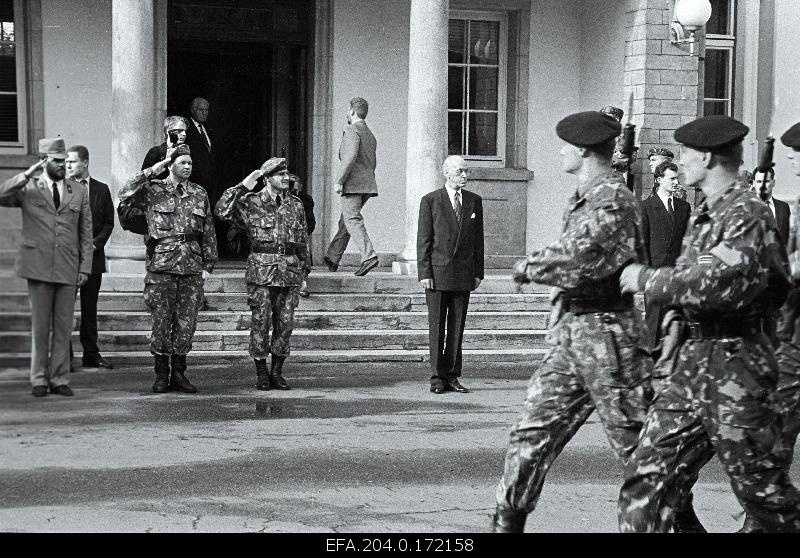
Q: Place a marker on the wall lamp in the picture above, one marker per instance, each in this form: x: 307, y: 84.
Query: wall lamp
x: 690, y: 15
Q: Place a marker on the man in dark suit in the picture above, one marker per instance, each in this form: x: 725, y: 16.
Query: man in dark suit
x: 55, y: 256
x: 764, y: 184
x: 102, y: 224
x: 198, y: 138
x: 664, y: 221
x: 175, y: 130
x: 355, y: 184
x: 450, y: 266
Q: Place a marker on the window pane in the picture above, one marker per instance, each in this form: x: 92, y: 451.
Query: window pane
x: 483, y: 88
x: 484, y: 39
x: 8, y: 69
x: 7, y: 10
x: 711, y: 108
x: 455, y: 87
x: 716, y: 81
x: 457, y: 42
x: 8, y: 118
x: 455, y: 133
x: 483, y: 134
x: 719, y: 23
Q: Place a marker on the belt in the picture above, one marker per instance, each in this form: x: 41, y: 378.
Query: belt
x: 275, y: 248
x: 730, y: 326
x: 183, y: 237
x: 582, y: 305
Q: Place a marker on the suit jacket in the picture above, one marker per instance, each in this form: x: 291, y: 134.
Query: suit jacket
x: 102, y: 222
x: 782, y: 217
x: 154, y: 155
x: 357, y: 154
x: 449, y: 253
x: 56, y: 244
x: 202, y: 158
x: 663, y: 235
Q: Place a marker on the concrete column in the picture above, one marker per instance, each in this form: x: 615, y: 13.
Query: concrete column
x: 132, y: 114
x: 426, y: 147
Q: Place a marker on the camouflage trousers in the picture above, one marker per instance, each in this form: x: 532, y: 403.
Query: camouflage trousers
x: 275, y: 306
x: 720, y: 399
x: 597, y: 364
x: 788, y: 395
x: 174, y: 302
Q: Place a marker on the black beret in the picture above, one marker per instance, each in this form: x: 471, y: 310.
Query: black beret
x: 711, y: 133
x: 791, y: 137
x: 179, y: 151
x: 662, y: 151
x: 584, y: 129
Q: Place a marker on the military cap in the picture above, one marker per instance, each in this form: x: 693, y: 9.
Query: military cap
x: 791, y: 137
x: 662, y: 151
x: 271, y: 166
x: 614, y: 112
x: 53, y: 147
x: 180, y: 150
x: 711, y: 133
x: 584, y: 129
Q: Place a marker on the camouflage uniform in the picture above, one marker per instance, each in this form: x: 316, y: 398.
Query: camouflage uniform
x: 273, y: 279
x: 173, y: 288
x: 598, y: 361
x: 719, y: 398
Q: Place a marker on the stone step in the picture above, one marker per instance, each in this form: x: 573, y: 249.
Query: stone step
x: 302, y: 339
x: 240, y: 320
x: 145, y: 359
x: 347, y: 302
x: 232, y: 281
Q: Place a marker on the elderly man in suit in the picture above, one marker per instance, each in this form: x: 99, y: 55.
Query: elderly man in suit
x: 102, y: 224
x: 198, y: 138
x: 664, y: 221
x: 450, y: 266
x: 355, y: 184
x: 55, y: 257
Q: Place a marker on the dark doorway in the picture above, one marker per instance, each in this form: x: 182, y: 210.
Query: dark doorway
x: 249, y: 59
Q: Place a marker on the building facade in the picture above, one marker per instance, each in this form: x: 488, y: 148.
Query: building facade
x: 487, y: 79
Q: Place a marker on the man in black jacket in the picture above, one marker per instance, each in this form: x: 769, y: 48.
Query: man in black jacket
x: 175, y: 128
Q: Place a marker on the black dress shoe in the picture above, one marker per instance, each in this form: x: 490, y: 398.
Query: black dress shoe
x: 331, y: 266
x: 39, y: 391
x: 62, y: 390
x: 454, y: 385
x: 437, y: 389
x: 367, y: 266
x: 103, y: 363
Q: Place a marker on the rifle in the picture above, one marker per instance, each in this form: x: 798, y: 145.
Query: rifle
x: 628, y: 148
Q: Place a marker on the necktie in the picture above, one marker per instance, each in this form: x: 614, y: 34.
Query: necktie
x: 56, y: 195
x: 278, y: 200
x: 457, y: 207
x: 205, y: 136
x: 179, y: 189
x: 669, y: 206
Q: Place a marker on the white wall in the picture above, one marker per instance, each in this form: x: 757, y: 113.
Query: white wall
x: 77, y: 77
x: 602, y: 54
x: 370, y: 60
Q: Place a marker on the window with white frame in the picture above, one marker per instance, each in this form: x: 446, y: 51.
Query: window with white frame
x: 719, y: 58
x: 12, y: 78
x: 476, y: 64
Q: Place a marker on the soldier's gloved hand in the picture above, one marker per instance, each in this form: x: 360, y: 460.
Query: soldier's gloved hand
x: 206, y: 274
x: 82, y: 278
x: 629, y: 279
x: 161, y: 166
x: 252, y: 179
x: 519, y: 273
x: 338, y: 188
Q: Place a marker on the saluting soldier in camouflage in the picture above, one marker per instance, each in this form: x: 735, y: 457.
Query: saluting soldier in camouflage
x: 275, y: 222
x: 598, y: 361
x: 181, y: 246
x: 720, y: 395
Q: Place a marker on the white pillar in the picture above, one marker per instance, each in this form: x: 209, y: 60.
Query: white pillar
x: 132, y: 113
x: 427, y: 115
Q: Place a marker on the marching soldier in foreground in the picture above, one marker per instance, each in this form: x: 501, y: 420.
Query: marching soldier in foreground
x: 597, y: 362
x: 718, y: 397
x: 275, y: 222
x: 181, y: 245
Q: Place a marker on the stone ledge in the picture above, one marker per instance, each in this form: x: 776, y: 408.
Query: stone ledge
x: 500, y: 174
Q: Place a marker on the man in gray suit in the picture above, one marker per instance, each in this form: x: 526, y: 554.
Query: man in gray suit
x: 55, y: 257
x: 356, y: 184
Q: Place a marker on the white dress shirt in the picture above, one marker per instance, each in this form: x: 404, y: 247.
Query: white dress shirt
x: 50, y: 183
x: 771, y: 204
x: 664, y: 197
x: 451, y: 192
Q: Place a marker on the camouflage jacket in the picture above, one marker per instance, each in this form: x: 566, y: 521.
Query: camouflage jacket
x: 731, y: 261
x: 601, y: 235
x: 170, y: 214
x: 268, y: 224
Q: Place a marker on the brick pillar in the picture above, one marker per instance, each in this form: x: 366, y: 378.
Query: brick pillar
x: 663, y: 79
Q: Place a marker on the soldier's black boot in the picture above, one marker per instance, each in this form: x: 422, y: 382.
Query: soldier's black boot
x: 276, y: 381
x: 508, y: 521
x: 751, y: 526
x: 162, y: 374
x: 178, y: 382
x: 263, y: 374
x: 686, y: 520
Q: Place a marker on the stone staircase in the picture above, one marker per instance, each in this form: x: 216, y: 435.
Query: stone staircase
x: 377, y: 318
